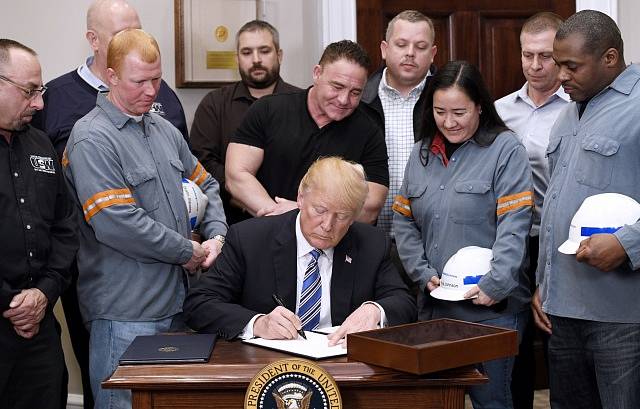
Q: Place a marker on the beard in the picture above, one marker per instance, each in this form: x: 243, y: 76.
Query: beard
x: 21, y: 123
x: 270, y: 76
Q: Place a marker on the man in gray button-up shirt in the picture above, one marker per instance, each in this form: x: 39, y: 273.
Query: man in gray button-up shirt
x: 530, y: 112
x: 589, y: 302
x: 126, y: 167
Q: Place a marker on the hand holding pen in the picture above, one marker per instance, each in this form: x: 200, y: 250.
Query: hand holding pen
x: 280, y: 323
x: 278, y: 301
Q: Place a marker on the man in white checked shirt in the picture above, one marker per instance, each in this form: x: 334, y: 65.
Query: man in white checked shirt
x: 314, y: 254
x: 394, y: 96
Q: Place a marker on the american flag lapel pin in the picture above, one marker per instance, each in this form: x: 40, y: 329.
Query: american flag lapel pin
x: 347, y: 259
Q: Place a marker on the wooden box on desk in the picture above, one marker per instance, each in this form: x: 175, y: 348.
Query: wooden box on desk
x: 432, y: 346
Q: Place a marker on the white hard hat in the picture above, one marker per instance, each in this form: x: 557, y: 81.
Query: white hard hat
x: 603, y: 213
x: 195, y: 200
x: 462, y: 272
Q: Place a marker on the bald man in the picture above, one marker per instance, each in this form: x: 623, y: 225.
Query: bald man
x: 69, y: 98
x: 72, y: 95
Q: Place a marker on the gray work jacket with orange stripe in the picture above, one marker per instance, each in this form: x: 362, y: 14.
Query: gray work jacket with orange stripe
x: 135, y: 232
x: 482, y: 197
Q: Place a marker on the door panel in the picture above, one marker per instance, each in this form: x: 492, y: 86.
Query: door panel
x: 483, y: 32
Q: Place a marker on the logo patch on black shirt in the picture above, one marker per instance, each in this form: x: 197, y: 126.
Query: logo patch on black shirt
x: 157, y: 108
x: 42, y: 164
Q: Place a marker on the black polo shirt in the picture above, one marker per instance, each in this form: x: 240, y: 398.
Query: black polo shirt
x: 282, y: 126
x: 218, y: 116
x: 38, y: 238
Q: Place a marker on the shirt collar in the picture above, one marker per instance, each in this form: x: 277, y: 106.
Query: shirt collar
x: 242, y: 91
x: 523, y: 94
x: 561, y: 94
x: 117, y: 117
x: 623, y: 83
x: 385, y: 87
x: 302, y: 245
x: 627, y: 80
x: 89, y: 77
x: 438, y: 148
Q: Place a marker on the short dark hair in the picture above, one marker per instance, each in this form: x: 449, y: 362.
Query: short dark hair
x: 412, y: 16
x: 259, y: 25
x: 468, y: 79
x: 541, y: 22
x: 6, y: 45
x: 345, y: 50
x: 598, y: 30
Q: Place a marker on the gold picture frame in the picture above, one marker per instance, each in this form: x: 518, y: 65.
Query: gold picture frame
x: 205, y: 40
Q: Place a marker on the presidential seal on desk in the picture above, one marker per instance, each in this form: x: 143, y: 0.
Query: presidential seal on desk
x: 293, y: 384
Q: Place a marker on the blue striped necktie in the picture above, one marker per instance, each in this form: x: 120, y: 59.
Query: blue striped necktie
x: 309, y: 311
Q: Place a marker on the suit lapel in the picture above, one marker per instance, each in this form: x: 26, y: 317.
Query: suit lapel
x: 284, y: 261
x: 342, y: 279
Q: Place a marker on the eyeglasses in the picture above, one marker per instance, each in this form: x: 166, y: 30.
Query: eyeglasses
x: 30, y: 93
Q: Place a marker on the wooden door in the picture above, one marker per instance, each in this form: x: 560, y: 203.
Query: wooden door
x: 483, y: 32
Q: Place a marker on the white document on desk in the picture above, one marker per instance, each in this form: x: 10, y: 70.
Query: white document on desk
x: 316, y: 346
x: 327, y: 330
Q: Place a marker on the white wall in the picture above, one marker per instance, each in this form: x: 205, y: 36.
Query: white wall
x: 55, y: 29
x: 628, y: 14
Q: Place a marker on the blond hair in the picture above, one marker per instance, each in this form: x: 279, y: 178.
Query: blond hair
x: 343, y: 179
x: 128, y: 41
x: 541, y: 22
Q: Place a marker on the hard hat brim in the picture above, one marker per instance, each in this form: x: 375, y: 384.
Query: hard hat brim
x: 446, y: 294
x: 569, y: 247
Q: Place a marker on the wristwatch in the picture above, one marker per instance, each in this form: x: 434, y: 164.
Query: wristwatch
x: 220, y: 238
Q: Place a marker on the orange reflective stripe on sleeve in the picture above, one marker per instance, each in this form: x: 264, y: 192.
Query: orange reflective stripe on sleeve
x: 105, y: 199
x: 65, y: 159
x: 515, y: 201
x: 402, y: 206
x: 199, y: 174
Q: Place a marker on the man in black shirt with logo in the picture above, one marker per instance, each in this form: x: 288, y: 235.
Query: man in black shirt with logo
x: 38, y: 239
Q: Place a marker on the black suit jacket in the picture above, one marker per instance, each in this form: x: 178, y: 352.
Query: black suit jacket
x: 259, y: 259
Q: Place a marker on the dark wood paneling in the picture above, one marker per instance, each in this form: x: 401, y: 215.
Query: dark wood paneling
x: 501, y: 37
x: 442, y: 24
x: 483, y: 32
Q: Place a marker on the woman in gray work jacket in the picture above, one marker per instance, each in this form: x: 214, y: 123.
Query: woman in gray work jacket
x: 468, y: 183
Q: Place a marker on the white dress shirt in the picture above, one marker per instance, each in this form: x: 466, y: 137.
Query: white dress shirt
x: 532, y: 124
x: 325, y: 264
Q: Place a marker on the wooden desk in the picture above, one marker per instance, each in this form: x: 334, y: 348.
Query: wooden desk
x: 222, y: 382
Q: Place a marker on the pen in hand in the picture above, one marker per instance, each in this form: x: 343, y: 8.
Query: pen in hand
x: 278, y: 301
